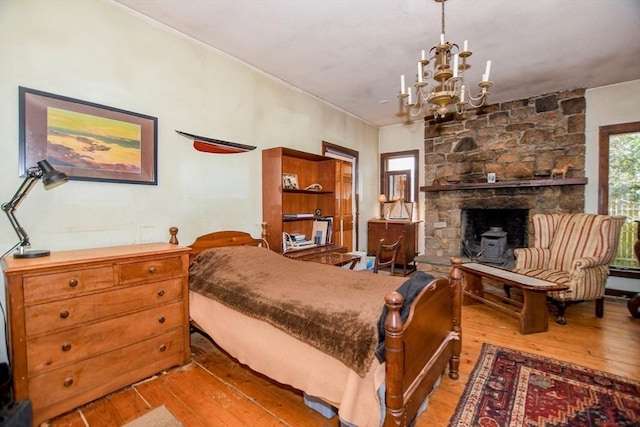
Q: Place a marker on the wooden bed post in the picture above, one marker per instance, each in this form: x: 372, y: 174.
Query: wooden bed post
x: 456, y: 282
x: 263, y: 231
x: 393, y: 342
x: 173, y: 231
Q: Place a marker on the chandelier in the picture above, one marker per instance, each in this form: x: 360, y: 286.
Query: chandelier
x: 441, y: 87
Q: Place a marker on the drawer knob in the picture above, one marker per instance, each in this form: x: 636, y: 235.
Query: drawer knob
x: 73, y: 283
x: 161, y: 319
x: 64, y: 314
x: 161, y: 293
x: 163, y: 348
x: 152, y: 269
x: 66, y: 346
x: 68, y: 382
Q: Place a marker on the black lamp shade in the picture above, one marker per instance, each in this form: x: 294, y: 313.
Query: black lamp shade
x: 50, y: 177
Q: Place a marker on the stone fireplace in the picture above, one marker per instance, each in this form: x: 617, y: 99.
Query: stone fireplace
x: 521, y: 142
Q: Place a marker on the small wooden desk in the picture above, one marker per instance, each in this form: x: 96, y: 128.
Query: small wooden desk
x: 333, y: 258
x: 532, y: 312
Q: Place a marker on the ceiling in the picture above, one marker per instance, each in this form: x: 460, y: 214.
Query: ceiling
x: 351, y: 53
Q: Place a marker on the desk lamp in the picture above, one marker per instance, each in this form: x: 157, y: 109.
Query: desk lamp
x: 50, y: 178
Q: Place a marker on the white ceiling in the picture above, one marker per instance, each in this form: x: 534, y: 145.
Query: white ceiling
x: 351, y: 53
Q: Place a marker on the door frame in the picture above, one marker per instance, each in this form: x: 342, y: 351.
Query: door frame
x: 328, y: 147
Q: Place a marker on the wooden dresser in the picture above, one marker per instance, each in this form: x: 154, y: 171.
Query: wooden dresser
x: 390, y: 231
x: 85, y: 323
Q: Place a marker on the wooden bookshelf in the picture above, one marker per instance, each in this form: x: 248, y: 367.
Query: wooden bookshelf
x: 278, y: 201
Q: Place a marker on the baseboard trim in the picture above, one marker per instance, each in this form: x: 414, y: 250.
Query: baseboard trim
x: 619, y: 293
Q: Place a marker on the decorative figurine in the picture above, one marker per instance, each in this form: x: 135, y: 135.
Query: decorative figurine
x: 563, y: 170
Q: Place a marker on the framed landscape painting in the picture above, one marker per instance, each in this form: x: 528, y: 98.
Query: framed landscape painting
x: 87, y: 141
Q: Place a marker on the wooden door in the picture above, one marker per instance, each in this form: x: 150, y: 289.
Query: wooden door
x: 343, y: 223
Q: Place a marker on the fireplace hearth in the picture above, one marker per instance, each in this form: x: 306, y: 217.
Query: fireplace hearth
x: 490, y: 235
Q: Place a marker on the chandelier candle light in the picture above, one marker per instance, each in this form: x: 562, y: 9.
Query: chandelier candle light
x: 441, y: 85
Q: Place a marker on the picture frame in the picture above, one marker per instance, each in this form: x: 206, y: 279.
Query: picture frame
x: 87, y: 141
x: 289, y: 181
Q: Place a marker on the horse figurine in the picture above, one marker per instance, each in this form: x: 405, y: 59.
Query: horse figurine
x: 563, y: 170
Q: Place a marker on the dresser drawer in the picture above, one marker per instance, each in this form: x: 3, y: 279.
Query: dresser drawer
x: 63, y: 389
x: 72, y: 312
x: 51, y: 286
x: 156, y: 269
x: 54, y: 350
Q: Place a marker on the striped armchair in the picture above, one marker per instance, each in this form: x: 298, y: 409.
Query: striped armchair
x: 573, y: 250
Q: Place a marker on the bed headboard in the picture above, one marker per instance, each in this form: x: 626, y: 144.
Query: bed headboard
x: 216, y: 240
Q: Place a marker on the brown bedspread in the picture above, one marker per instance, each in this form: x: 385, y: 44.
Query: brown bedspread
x: 333, y: 309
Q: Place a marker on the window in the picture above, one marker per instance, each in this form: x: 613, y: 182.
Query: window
x: 399, y: 175
x: 619, y: 189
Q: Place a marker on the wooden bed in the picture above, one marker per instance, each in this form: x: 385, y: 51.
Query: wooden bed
x: 417, y: 351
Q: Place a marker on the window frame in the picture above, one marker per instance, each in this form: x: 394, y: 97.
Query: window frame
x: 604, y: 134
x: 384, y: 157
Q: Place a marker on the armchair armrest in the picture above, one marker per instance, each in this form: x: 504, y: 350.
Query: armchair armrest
x: 580, y: 263
x: 532, y: 257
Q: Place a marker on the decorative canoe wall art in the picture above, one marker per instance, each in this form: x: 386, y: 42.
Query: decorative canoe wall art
x: 217, y: 146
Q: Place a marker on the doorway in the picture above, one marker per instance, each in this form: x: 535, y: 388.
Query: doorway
x: 347, y: 207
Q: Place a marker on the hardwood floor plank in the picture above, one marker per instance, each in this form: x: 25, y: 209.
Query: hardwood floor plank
x: 70, y: 419
x: 130, y: 404
x: 102, y: 414
x: 155, y: 392
x: 284, y: 401
x: 115, y: 409
x: 216, y: 396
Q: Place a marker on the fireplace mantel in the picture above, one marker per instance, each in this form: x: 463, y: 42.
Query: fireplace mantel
x: 504, y: 184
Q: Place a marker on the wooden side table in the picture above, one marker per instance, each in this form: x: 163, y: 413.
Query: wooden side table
x: 531, y: 313
x: 390, y: 231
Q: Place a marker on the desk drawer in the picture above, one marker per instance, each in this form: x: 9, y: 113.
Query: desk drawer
x: 68, y: 313
x: 54, y: 350
x: 69, y: 283
x: 156, y: 269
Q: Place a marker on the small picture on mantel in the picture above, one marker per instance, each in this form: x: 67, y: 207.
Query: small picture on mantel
x: 289, y: 181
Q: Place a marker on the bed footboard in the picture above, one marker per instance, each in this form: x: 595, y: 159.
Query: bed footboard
x: 418, y: 351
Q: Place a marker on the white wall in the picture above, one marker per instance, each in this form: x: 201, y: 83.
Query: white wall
x: 608, y: 105
x: 99, y: 52
x: 402, y: 137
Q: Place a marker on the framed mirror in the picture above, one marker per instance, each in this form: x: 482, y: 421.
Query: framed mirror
x: 398, y: 185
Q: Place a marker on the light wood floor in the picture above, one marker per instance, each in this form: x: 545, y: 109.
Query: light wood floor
x: 214, y: 390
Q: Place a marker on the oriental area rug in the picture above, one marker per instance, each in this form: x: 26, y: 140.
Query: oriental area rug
x: 512, y: 388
